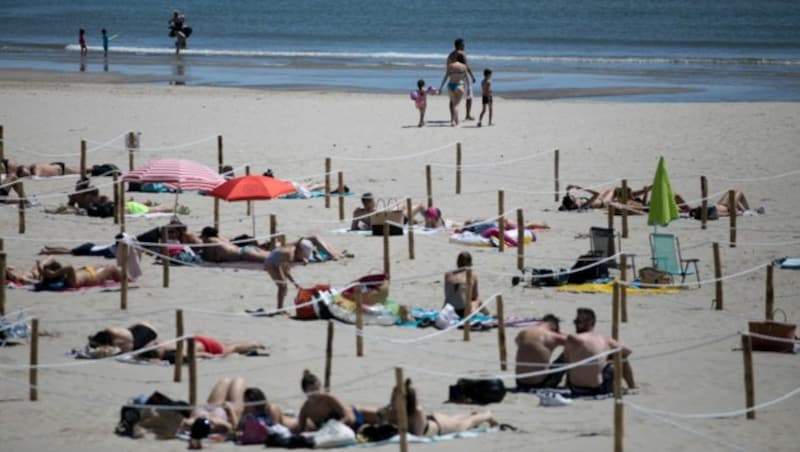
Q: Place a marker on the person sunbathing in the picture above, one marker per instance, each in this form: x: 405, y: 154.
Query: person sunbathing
x: 256, y: 405
x: 138, y: 208
x: 7, y: 183
x: 723, y: 206
x: 319, y: 407
x: 57, y: 276
x: 220, y: 414
x: 317, y: 250
x: 19, y: 276
x: 226, y: 251
x: 137, y: 336
x: 46, y: 170
x: 480, y: 225
x: 205, y: 347
x: 535, y: 346
x: 455, y: 286
x: 425, y: 424
x: 362, y: 216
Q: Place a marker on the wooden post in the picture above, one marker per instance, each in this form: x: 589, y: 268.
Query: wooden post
x: 732, y: 214
x: 121, y: 206
x: 501, y: 220
x: 165, y: 256
x: 409, y: 214
x: 749, y: 389
x: 458, y: 168
x: 216, y: 213
x: 429, y: 185
x: 328, y: 356
x: 2, y: 280
x: 22, y: 201
x: 115, y: 178
x: 192, y: 371
x: 122, y: 249
x: 273, y: 229
x: 555, y: 173
x: 623, y: 295
x: 327, y: 182
x: 718, y: 276
x: 341, y: 196
x: 131, y: 146
x: 467, y: 305
x: 610, y: 217
x: 615, y: 311
x: 386, y: 268
x: 520, y: 240
x: 33, y: 371
x: 625, y: 208
x: 249, y: 203
x: 704, y: 203
x: 619, y: 429
x: 2, y: 146
x: 769, y: 315
x: 179, y: 345
x: 359, y: 321
x: 220, y: 157
x: 501, y: 333
x: 83, y: 159
x: 400, y: 407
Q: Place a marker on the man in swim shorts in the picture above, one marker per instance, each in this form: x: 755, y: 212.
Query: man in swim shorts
x: 535, y: 346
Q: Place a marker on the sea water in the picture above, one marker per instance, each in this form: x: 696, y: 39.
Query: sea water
x: 644, y: 50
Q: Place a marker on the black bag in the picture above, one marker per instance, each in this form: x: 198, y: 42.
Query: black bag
x: 480, y: 392
x: 102, y: 209
x: 541, y: 277
x: 596, y: 271
x: 711, y: 213
x: 106, y: 169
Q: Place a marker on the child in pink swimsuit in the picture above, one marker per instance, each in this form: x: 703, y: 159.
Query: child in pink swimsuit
x: 419, y: 96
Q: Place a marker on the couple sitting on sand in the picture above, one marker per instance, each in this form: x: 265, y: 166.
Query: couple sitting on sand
x: 535, y: 346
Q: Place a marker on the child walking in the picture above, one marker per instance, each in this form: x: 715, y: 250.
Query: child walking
x: 420, y: 99
x: 82, y: 41
x: 486, y: 88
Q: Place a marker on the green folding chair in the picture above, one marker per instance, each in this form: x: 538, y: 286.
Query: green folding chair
x: 666, y: 256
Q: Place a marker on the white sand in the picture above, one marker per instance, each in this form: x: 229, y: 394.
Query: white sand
x: 292, y: 133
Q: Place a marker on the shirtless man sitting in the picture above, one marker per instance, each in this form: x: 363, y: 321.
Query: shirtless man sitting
x: 596, y: 377
x: 361, y: 215
x: 535, y: 347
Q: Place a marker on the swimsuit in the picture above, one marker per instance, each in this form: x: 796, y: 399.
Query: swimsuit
x: 487, y: 100
x: 274, y: 258
x: 453, y: 86
x: 420, y: 101
x: 431, y: 418
x: 359, y: 419
x: 211, y: 345
x: 606, y: 387
x: 142, y: 335
x: 243, y: 249
x: 92, y: 274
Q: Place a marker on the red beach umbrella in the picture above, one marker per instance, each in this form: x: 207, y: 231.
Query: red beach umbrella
x: 177, y: 174
x: 252, y: 188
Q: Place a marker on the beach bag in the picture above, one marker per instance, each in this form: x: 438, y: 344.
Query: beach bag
x: 254, y: 430
x: 101, y: 209
x: 374, y: 289
x: 650, y: 275
x: 711, y: 213
x: 545, y: 277
x: 775, y: 329
x: 592, y: 273
x: 304, y: 296
x: 479, y: 392
x: 393, y: 217
x: 106, y: 169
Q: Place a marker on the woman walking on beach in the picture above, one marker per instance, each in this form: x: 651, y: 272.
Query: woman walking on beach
x: 456, y: 76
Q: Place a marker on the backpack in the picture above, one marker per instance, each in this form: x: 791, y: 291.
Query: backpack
x: 106, y: 169
x: 597, y: 271
x: 480, y: 392
x: 545, y: 277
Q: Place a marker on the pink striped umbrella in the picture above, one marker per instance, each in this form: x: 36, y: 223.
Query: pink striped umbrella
x: 176, y: 174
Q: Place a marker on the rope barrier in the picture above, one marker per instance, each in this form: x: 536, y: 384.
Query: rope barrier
x: 398, y: 157
x: 72, y: 154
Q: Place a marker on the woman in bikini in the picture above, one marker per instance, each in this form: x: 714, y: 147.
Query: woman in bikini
x: 278, y: 265
x: 455, y: 286
x: 456, y: 76
x: 226, y: 251
x: 56, y: 276
x: 137, y: 336
x: 205, y: 347
x: 433, y: 424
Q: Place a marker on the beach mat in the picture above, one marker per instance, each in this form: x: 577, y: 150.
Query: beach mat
x: 608, y: 287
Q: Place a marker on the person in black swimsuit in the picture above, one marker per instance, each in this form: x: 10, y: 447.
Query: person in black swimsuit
x: 135, y: 337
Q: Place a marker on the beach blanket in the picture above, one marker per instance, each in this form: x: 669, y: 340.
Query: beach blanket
x: 608, y: 287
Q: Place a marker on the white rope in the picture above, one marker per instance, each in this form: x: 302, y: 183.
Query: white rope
x: 493, y: 164
x: 397, y: 157
x: 72, y: 154
x: 702, y: 282
x: 771, y: 338
x: 169, y: 148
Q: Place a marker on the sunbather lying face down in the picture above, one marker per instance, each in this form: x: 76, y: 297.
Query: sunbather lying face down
x: 205, y: 347
x: 137, y: 336
x: 56, y: 276
x: 225, y: 251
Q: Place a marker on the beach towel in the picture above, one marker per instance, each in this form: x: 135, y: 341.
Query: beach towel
x: 149, y: 215
x: 788, y: 263
x: 608, y: 287
x: 473, y: 433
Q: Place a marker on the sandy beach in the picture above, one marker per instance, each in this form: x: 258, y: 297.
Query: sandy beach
x: 686, y: 354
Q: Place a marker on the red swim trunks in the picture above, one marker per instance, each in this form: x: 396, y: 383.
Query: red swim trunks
x: 211, y: 346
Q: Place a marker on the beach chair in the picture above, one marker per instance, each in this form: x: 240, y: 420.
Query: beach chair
x: 605, y: 243
x: 666, y: 256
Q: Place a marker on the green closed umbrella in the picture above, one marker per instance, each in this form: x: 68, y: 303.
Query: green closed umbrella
x: 662, y: 207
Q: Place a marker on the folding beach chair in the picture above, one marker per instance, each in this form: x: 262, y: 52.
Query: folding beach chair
x: 666, y: 256
x: 602, y: 241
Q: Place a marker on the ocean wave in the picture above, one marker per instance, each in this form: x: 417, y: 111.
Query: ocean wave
x: 383, y: 56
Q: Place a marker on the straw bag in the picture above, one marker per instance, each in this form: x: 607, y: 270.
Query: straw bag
x: 393, y: 217
x: 374, y: 289
x: 650, y: 275
x: 775, y: 329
